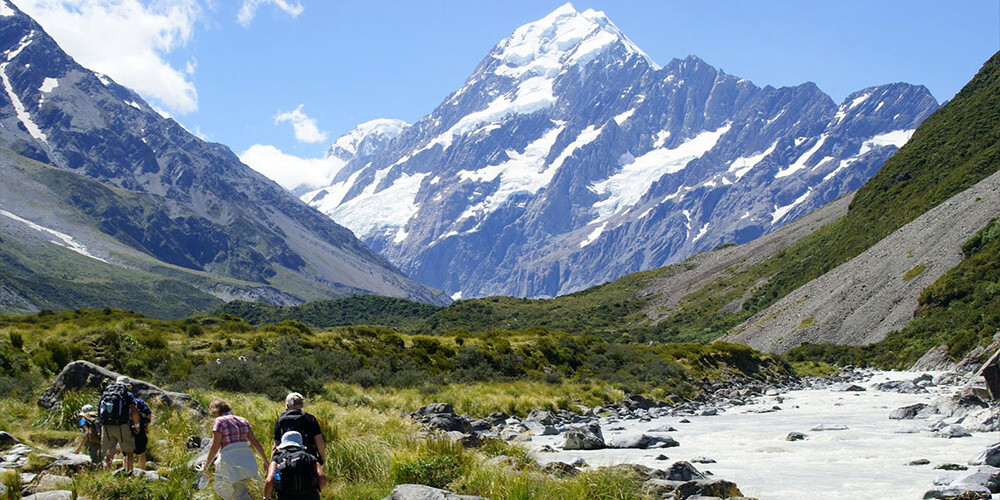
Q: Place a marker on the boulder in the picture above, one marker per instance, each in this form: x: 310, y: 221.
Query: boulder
x: 53, y: 495
x: 6, y: 440
x: 830, y: 427
x: 958, y: 493
x: 541, y: 416
x: 433, y: 409
x: 86, y: 375
x: 641, y: 441
x: 584, y: 437
x: 447, y: 422
x: 990, y: 456
x: 983, y: 475
x: 45, y: 482
x: 539, y: 429
x: 683, y: 471
x: 702, y: 460
x: 795, y: 436
x: 663, y: 429
x: 560, y: 469
x: 921, y: 410
x: 900, y: 386
x: 919, y: 461
x: 421, y: 492
x: 951, y: 467
x: 716, y: 488
x: 636, y: 402
x: 953, y: 431
x: 847, y: 388
x: 71, y: 463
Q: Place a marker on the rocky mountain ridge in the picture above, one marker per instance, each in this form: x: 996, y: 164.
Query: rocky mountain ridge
x: 212, y: 213
x: 569, y: 158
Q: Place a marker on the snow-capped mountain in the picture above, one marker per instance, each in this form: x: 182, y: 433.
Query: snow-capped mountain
x: 570, y: 158
x: 168, y: 202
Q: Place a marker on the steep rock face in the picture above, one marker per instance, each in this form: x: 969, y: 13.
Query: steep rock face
x: 570, y: 158
x: 217, y: 215
x: 861, y: 301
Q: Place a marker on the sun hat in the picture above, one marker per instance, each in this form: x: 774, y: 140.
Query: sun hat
x: 87, y: 410
x: 291, y: 439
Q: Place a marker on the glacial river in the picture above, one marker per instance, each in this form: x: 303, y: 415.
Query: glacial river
x: 868, y: 460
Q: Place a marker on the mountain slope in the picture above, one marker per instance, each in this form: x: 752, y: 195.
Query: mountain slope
x: 569, y: 158
x: 213, y: 214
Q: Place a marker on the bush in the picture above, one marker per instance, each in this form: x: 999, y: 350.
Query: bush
x: 437, y: 471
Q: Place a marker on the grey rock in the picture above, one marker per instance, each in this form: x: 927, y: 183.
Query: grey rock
x: 990, y: 456
x: 45, y: 482
x: 540, y: 416
x: 795, y: 436
x: 702, y: 460
x: 683, y: 471
x: 919, y: 461
x: 80, y: 375
x: 953, y: 431
x: 830, y: 427
x: 951, y: 467
x: 984, y: 475
x: 958, y: 493
x: 913, y: 411
x: 53, y: 495
x: 848, y: 388
x: 448, y: 422
x: 434, y: 409
x: 6, y: 440
x: 560, y: 469
x: 641, y: 441
x: 584, y: 437
x: 421, y: 492
x: 663, y: 429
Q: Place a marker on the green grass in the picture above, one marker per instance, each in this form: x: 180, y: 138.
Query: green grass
x: 914, y: 272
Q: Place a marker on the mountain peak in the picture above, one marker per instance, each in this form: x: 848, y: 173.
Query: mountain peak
x: 563, y: 37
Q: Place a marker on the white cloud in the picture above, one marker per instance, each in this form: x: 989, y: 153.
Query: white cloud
x: 291, y: 172
x: 305, y: 128
x: 249, y: 9
x: 127, y: 39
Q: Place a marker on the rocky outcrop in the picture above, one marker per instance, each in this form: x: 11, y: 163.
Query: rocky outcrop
x: 86, y: 375
x: 862, y: 300
x: 421, y: 492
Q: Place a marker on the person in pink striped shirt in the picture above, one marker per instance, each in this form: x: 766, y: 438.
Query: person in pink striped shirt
x: 232, y: 440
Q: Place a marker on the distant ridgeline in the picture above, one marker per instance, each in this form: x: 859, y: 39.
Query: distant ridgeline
x: 956, y: 147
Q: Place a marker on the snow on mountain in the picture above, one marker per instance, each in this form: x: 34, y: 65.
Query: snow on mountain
x: 570, y: 158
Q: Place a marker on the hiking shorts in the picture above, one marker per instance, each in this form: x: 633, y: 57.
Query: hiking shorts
x: 141, y: 441
x: 117, y: 434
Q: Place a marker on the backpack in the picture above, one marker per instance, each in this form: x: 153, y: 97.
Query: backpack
x: 295, y: 473
x: 297, y: 422
x: 95, y: 431
x: 113, y: 409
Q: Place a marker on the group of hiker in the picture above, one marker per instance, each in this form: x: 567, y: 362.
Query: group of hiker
x: 119, y: 422
x: 294, y: 471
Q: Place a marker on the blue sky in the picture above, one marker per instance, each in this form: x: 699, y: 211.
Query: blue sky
x: 243, y: 72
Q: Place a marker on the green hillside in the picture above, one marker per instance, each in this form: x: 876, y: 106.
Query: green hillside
x: 355, y: 310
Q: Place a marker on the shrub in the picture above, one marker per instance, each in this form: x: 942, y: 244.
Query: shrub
x: 436, y: 471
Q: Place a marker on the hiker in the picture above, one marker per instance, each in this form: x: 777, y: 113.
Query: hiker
x: 90, y: 433
x: 294, y: 472
x: 119, y: 418
x: 142, y: 434
x: 294, y: 419
x: 232, y: 440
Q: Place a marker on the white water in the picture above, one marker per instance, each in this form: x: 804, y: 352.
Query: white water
x: 866, y: 461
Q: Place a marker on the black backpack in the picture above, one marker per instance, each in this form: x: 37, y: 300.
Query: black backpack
x: 295, y: 473
x: 113, y: 409
x: 297, y: 422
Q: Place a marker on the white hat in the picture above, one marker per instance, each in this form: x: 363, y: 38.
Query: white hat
x: 291, y: 439
x: 87, y: 409
x: 122, y: 379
